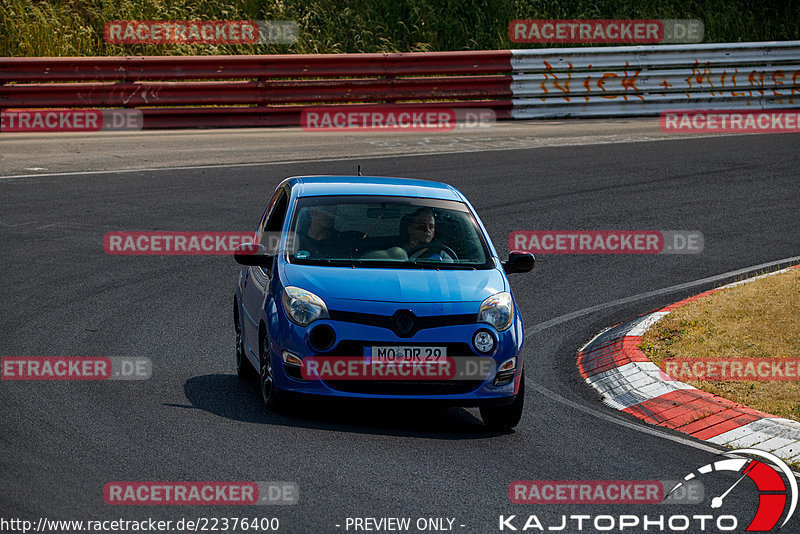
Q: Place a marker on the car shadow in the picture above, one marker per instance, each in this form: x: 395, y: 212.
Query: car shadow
x: 240, y: 400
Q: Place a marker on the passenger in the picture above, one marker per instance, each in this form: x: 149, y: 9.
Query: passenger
x: 321, y: 240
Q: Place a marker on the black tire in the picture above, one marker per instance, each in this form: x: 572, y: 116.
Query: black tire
x: 243, y: 366
x: 505, y: 417
x: 270, y: 395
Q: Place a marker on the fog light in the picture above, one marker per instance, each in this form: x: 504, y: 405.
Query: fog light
x: 483, y: 341
x: 505, y: 373
x: 508, y: 365
x: 291, y: 359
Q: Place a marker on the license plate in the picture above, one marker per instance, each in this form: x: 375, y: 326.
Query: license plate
x: 405, y: 354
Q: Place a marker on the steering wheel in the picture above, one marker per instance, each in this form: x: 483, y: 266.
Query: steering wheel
x: 433, y: 247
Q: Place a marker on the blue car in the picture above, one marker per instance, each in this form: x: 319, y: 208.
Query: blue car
x: 379, y: 288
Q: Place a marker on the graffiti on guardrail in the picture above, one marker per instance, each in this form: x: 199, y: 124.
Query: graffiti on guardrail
x: 547, y: 81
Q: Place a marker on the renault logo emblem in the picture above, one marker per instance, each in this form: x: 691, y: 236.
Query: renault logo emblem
x: 403, y: 322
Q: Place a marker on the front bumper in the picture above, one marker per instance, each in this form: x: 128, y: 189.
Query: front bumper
x: 351, y: 338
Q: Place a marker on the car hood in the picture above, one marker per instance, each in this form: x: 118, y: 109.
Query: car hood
x: 395, y: 285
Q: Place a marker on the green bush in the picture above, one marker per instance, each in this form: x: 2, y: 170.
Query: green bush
x: 75, y: 27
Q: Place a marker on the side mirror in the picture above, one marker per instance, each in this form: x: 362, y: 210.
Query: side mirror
x: 252, y: 254
x: 519, y: 262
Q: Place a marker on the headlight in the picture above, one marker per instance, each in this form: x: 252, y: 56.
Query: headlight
x: 498, y: 311
x: 303, y: 307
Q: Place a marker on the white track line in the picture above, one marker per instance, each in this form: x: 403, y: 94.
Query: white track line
x: 641, y: 296
x: 627, y: 424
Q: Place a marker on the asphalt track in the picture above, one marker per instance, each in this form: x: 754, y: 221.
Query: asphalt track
x: 60, y: 442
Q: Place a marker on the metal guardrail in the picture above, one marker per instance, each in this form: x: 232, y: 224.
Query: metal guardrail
x: 218, y: 91
x: 257, y: 67
x: 257, y: 90
x: 128, y: 94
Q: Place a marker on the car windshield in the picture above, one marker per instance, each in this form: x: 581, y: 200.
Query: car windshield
x: 399, y: 232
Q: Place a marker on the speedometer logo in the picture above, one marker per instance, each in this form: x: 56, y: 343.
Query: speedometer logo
x: 776, y: 484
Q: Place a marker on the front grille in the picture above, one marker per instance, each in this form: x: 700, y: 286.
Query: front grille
x: 403, y: 323
x: 400, y: 387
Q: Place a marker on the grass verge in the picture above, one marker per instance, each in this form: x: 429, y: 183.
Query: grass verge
x: 759, y: 319
x: 75, y: 27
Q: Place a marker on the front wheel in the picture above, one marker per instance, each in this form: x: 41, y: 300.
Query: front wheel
x: 505, y: 417
x: 269, y: 393
x: 243, y: 367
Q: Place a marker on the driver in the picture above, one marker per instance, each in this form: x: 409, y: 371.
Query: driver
x: 419, y: 231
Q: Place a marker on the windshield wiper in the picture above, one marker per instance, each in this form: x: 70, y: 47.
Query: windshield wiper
x: 444, y: 265
x: 326, y: 261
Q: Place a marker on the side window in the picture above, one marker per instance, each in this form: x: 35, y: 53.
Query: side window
x: 261, y: 223
x: 271, y: 232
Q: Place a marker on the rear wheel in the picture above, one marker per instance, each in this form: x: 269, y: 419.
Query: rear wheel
x: 269, y: 393
x: 505, y: 417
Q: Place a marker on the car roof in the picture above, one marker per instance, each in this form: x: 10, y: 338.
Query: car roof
x: 372, y: 185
